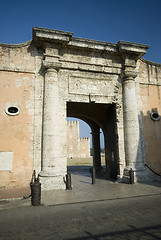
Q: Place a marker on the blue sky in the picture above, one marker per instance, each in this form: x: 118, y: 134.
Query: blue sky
x: 110, y: 21
x: 135, y: 21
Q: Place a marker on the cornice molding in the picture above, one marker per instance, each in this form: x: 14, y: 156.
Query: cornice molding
x: 136, y: 49
x: 41, y: 35
x: 50, y: 35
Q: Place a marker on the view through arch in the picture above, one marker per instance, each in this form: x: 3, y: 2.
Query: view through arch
x: 79, y: 143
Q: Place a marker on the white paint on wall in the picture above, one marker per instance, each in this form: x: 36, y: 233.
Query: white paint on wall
x: 6, y: 159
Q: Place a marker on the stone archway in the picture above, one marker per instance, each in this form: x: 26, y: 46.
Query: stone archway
x: 99, y: 116
x: 89, y: 72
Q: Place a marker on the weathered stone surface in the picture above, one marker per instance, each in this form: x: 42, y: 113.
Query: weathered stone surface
x: 105, y: 84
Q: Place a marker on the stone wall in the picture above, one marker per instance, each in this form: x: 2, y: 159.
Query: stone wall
x: 17, y: 75
x: 85, y: 147
x: 76, y: 147
x: 57, y: 75
x: 73, y: 142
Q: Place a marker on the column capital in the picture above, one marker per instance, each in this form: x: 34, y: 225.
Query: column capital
x: 129, y: 75
x: 51, y: 66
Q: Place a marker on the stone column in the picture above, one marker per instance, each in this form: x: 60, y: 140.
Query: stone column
x: 131, y: 123
x: 50, y: 176
x: 96, y: 150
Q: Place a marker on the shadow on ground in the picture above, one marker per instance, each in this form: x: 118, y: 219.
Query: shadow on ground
x: 86, y: 171
x: 151, y: 232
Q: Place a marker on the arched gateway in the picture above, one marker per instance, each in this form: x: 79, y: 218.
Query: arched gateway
x: 98, y: 82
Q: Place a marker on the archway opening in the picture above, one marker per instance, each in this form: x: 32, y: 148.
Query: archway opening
x: 99, y: 116
x: 79, y: 142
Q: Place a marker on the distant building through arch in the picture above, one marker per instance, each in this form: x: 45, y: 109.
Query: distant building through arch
x: 76, y: 147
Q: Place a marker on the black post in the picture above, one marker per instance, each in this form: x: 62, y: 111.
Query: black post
x: 68, y: 181
x: 93, y: 175
x: 131, y: 176
x: 35, y: 192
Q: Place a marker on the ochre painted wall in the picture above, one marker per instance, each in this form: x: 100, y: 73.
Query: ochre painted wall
x: 16, y: 131
x: 151, y: 101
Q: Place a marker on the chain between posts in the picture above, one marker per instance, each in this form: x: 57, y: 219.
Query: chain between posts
x: 152, y: 170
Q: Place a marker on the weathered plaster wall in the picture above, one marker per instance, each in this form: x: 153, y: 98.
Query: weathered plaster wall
x: 17, y: 76
x: 17, y: 131
x: 150, y: 93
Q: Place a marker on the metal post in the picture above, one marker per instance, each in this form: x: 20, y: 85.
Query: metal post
x: 131, y: 176
x: 35, y: 191
x: 93, y: 176
x: 68, y: 181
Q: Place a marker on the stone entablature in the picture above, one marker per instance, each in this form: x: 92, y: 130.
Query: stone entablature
x: 113, y: 88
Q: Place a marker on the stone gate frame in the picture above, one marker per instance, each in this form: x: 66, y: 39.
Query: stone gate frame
x: 77, y: 70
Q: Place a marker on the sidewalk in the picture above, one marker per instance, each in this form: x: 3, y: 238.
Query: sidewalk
x: 84, y: 191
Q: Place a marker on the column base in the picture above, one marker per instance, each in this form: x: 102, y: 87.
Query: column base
x: 52, y: 182
x: 142, y: 175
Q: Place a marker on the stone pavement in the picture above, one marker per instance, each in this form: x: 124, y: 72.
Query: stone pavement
x: 84, y: 191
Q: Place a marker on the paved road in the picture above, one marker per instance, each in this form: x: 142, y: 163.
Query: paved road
x: 129, y: 218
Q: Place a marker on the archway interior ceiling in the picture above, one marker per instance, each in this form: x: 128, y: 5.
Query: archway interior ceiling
x: 92, y: 113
